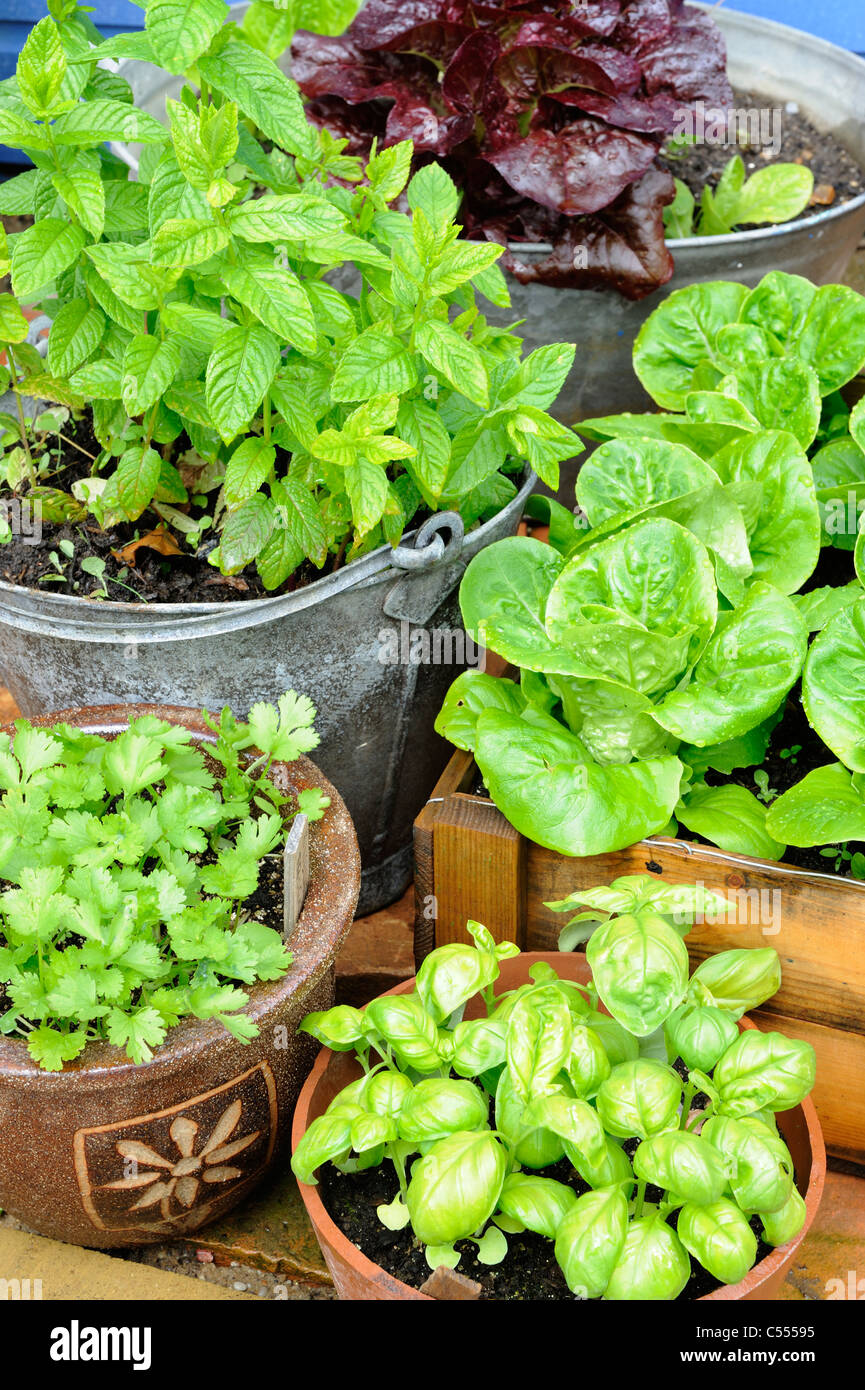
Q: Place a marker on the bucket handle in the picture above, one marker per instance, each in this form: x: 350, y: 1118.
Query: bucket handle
x: 429, y: 546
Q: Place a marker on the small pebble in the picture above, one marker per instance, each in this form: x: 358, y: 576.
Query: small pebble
x: 239, y: 1288
x: 823, y: 195
x: 204, y: 1257
x: 792, y: 108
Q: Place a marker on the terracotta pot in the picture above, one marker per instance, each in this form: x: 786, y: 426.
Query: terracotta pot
x: 198, y: 1126
x: 357, y: 1278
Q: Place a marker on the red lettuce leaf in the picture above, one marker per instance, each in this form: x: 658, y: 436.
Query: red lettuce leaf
x: 621, y: 248
x: 576, y: 170
x: 470, y: 84
x: 690, y: 63
x: 548, y: 114
x: 644, y: 22
x: 382, y: 23
x: 655, y: 115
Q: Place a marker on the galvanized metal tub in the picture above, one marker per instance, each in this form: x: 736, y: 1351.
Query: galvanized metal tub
x: 783, y: 64
x: 349, y: 641
x: 778, y: 62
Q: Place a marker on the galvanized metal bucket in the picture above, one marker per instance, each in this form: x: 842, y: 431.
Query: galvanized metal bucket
x: 780, y: 63
x: 375, y: 646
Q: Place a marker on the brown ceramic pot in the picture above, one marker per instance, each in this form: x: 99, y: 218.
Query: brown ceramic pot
x: 108, y: 1153
x: 357, y: 1278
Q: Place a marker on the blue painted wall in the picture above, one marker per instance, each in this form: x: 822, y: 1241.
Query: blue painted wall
x: 839, y: 21
x: 17, y: 18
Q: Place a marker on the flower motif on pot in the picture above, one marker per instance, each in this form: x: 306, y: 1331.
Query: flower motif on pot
x: 174, y: 1168
x: 177, y: 1178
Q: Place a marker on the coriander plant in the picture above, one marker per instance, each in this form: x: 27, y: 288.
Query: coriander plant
x: 239, y: 398
x: 125, y: 867
x: 470, y: 1111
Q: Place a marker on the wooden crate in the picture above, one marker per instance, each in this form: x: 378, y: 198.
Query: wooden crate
x: 470, y: 863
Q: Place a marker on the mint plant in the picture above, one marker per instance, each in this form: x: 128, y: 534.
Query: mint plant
x: 568, y: 1081
x: 270, y: 25
x: 125, y: 868
x: 777, y: 193
x: 262, y: 415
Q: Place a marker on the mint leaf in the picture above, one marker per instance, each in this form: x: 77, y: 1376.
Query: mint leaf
x: 149, y: 367
x: 137, y: 479
x: 240, y: 370
x: 43, y: 252
x: 181, y: 30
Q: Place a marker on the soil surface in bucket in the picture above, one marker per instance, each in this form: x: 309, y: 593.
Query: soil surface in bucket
x: 837, y: 176
x: 141, y: 563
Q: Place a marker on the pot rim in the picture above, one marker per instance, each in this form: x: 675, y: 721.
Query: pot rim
x: 324, y: 921
x: 761, y: 28
x: 691, y: 849
x: 322, y: 1221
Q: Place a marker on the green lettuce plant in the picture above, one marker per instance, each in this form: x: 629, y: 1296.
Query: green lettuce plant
x: 776, y: 193
x: 723, y: 362
x: 125, y: 869
x: 239, y: 400
x: 637, y: 673
x: 733, y: 369
x: 661, y: 631
x: 828, y: 805
x: 470, y: 1111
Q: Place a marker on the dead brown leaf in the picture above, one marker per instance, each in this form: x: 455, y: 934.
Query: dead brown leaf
x: 228, y: 581
x: 159, y: 540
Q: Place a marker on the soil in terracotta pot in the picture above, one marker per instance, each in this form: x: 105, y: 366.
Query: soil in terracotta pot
x: 837, y: 176
x: 529, y: 1271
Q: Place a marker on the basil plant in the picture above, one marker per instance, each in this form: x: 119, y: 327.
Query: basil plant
x: 253, y: 410
x: 579, y: 1079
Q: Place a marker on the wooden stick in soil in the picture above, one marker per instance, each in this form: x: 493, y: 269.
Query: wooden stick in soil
x: 296, y: 872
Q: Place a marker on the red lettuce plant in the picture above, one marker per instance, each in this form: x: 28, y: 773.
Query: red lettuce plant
x: 549, y: 113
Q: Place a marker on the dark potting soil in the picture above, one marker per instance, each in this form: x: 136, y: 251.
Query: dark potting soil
x: 149, y: 576
x: 837, y: 176
x: 528, y: 1273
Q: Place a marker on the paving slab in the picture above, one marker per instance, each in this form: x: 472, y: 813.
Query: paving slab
x: 831, y: 1259
x: 270, y: 1232
x: 66, y: 1272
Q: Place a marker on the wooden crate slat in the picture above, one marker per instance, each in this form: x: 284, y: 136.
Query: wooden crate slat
x: 818, y: 929
x: 479, y: 868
